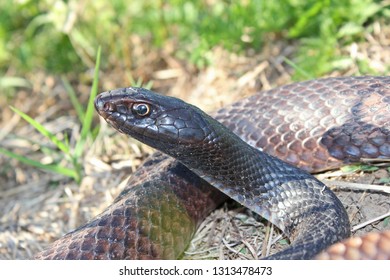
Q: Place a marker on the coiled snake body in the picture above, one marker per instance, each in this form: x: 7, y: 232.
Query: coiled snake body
x: 313, y: 125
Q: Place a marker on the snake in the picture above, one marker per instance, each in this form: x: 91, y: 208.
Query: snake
x: 258, y: 151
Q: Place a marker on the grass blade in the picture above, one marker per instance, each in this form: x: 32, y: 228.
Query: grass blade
x: 298, y: 69
x: 63, y: 147
x: 73, y: 98
x: 48, y: 167
x: 8, y: 82
x: 86, y: 125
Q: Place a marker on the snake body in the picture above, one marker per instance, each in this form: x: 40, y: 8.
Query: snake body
x: 314, y: 125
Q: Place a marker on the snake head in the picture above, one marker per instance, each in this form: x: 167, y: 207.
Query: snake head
x: 165, y: 123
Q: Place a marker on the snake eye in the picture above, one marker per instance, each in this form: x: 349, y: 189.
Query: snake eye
x: 141, y: 109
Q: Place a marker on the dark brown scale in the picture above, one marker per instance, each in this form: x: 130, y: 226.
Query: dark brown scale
x: 349, y: 115
x: 338, y: 119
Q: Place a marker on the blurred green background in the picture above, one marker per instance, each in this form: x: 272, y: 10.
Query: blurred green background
x: 61, y: 37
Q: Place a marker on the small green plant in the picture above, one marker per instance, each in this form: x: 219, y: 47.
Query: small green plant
x: 73, y: 155
x: 358, y: 167
x: 55, y: 36
x: 386, y: 221
x: 324, y: 27
x: 385, y: 180
x: 139, y: 82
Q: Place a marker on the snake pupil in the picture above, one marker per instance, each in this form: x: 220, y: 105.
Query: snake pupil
x: 141, y: 109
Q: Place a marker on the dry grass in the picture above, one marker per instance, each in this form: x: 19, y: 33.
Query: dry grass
x: 39, y: 207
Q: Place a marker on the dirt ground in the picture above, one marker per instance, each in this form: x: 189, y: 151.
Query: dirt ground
x: 38, y: 207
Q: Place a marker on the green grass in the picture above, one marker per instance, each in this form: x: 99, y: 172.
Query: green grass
x: 56, y: 37
x: 73, y: 155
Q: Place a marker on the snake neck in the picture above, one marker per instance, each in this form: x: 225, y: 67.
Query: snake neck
x: 283, y: 194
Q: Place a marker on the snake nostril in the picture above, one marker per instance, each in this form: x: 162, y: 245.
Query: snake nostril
x: 107, y: 106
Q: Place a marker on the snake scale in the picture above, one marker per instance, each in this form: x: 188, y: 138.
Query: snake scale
x: 249, y: 152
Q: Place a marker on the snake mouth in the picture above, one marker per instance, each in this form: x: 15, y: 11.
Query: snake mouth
x: 107, y: 109
x: 99, y: 106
